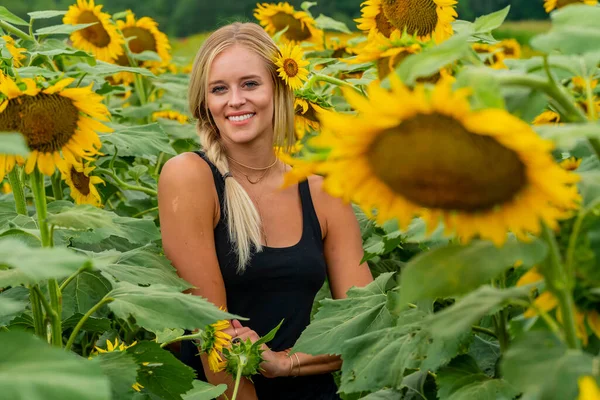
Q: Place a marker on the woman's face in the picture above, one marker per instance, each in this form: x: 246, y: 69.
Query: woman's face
x: 240, y: 96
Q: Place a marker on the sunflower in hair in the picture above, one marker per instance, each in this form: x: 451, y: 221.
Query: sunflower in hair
x: 301, y: 27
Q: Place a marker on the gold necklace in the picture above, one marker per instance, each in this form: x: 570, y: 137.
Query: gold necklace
x: 264, y: 169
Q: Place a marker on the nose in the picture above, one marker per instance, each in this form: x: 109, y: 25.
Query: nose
x: 237, y: 98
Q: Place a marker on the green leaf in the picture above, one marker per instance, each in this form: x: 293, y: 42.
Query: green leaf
x: 567, y: 136
x: 22, y: 235
x: 7, y: 213
x: 85, y: 291
x: 157, y: 307
x: 385, y: 394
x: 487, y: 23
x: 12, y: 303
x: 30, y: 265
x: 542, y: 367
x: 32, y: 72
x: 54, y: 47
x: 575, y: 30
x: 121, y: 369
x: 9, y: 17
x: 463, y: 380
x: 104, y: 68
x: 165, y: 376
x: 13, y: 143
x: 137, y: 171
x: 204, y: 391
x: 45, y: 14
x: 63, y: 29
x: 363, y: 311
x: 329, y: 24
x: 486, y: 353
x: 486, y: 91
x: 456, y: 269
x: 30, y: 369
x: 147, y: 55
x: 91, y: 324
x: 460, y: 316
x: 168, y: 334
x: 139, y: 140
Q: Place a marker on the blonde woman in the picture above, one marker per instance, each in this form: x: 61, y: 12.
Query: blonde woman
x: 244, y: 243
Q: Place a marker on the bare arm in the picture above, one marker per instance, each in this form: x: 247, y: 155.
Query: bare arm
x: 188, y: 209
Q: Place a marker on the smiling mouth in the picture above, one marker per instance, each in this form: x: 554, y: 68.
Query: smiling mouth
x: 239, y: 118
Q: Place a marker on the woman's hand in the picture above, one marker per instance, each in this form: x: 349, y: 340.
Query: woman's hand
x: 276, y: 363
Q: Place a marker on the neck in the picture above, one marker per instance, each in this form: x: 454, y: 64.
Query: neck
x: 255, y: 155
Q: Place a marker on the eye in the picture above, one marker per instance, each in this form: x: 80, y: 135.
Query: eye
x: 251, y: 84
x: 217, y: 89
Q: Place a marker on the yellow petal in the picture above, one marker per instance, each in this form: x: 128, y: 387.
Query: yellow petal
x: 588, y: 389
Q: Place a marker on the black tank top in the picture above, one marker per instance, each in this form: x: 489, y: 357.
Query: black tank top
x: 278, y: 284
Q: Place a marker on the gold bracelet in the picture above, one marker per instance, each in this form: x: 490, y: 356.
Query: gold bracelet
x: 297, y: 359
x: 291, y: 365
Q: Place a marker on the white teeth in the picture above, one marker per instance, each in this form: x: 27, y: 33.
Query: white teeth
x: 240, y: 117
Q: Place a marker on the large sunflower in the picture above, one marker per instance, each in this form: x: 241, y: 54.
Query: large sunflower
x: 291, y: 66
x: 15, y: 52
x: 300, y: 26
x: 413, y: 153
x: 550, y: 5
x: 425, y: 18
x: 147, y: 38
x: 373, y: 20
x: 77, y: 176
x: 58, y: 123
x: 101, y: 39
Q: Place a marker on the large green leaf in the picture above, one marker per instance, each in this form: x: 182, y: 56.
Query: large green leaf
x: 87, y: 289
x: 62, y: 29
x: 30, y: 369
x: 7, y: 213
x: 55, y: 47
x: 463, y: 380
x: 13, y: 143
x: 138, y: 141
x: 363, y: 311
x: 465, y: 312
x: 455, y: 269
x: 541, y: 366
x: 7, y: 16
x: 567, y: 136
x: 204, y: 391
x: 104, y: 68
x: 45, y: 14
x: 121, y: 369
x: 385, y: 394
x: 29, y: 265
x: 158, y: 307
x: 487, y: 23
x: 12, y: 303
x: 164, y: 375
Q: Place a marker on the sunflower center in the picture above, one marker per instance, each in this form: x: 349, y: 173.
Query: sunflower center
x: 95, y: 34
x: 383, y: 25
x: 144, y: 41
x: 80, y: 181
x: 48, y: 121
x: 297, y: 30
x: 290, y: 66
x: 433, y: 161
x: 417, y: 16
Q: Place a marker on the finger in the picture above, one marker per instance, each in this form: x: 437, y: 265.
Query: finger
x: 233, y: 332
x: 250, y: 334
x: 236, y: 324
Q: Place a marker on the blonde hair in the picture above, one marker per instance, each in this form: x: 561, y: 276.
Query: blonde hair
x: 243, y: 219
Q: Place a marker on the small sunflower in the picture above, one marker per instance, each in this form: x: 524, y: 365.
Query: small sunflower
x: 213, y: 341
x: 110, y: 347
x: 588, y: 388
x: 101, y: 39
x: 373, y: 20
x: 428, y: 19
x: 172, y: 115
x: 550, y: 5
x: 15, y: 52
x: 579, y: 84
x: 276, y: 17
x: 510, y: 48
x: 58, y: 123
x: 414, y: 153
x: 77, y: 176
x: 547, y: 118
x: 570, y: 164
x: 493, y: 56
x: 306, y: 116
x: 291, y: 66
x: 147, y: 38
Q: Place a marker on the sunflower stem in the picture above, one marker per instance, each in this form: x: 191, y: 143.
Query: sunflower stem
x: 39, y: 195
x: 480, y: 329
x: 56, y: 186
x: 560, y: 284
x: 15, y: 31
x: 86, y: 267
x: 238, y: 377
x: 36, y: 312
x: 88, y: 314
x: 329, y: 79
x: 17, y: 188
x: 193, y: 336
x: 125, y: 185
x: 144, y: 212
x: 50, y: 311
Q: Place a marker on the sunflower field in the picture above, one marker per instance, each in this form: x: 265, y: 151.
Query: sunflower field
x: 474, y: 173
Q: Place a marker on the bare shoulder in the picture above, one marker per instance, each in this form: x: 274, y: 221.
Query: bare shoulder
x: 185, y: 168
x: 329, y: 209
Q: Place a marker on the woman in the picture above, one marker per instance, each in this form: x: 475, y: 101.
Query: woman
x: 244, y: 243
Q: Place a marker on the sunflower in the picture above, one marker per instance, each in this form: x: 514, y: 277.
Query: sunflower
x: 493, y: 56
x: 301, y: 27
x: 147, y: 38
x: 547, y: 302
x: 77, y: 176
x: 306, y: 115
x: 291, y: 66
x: 510, y: 48
x: 588, y: 388
x: 58, y: 123
x: 428, y: 19
x: 550, y: 5
x: 15, y: 52
x: 373, y: 20
x: 413, y: 153
x: 172, y: 115
x: 579, y: 84
x: 570, y: 164
x: 213, y: 341
x: 547, y: 118
x: 101, y: 39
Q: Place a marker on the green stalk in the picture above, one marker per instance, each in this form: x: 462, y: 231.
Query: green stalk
x: 56, y: 303
x: 193, y: 336
x: 561, y: 285
x: 39, y: 196
x: 17, y: 187
x: 329, y: 79
x: 37, y: 314
x: 15, y: 31
x: 238, y: 376
x: 56, y: 186
x: 486, y: 331
x: 88, y: 314
x: 86, y: 267
x: 125, y: 185
x: 51, y: 314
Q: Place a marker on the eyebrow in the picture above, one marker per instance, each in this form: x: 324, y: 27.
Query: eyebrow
x: 241, y: 79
